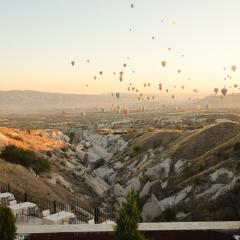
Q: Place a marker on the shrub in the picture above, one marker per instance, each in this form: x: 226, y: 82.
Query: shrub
x: 26, y: 158
x: 99, y: 163
x: 128, y: 217
x: 71, y: 136
x: 169, y: 214
x: 236, y: 147
x: 7, y: 224
x: 136, y: 149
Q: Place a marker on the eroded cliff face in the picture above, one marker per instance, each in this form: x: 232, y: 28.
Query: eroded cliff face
x: 169, y: 168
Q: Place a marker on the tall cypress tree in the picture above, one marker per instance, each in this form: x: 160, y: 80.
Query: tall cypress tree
x: 128, y: 217
x: 7, y: 224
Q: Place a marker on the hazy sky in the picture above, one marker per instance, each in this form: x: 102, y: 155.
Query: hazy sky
x: 39, y: 38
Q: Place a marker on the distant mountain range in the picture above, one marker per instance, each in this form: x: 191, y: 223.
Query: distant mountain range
x: 33, y: 100
x: 229, y: 101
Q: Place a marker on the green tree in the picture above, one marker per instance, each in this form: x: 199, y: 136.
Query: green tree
x: 7, y: 224
x: 128, y: 217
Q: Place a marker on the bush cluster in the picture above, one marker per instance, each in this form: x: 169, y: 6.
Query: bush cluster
x: 26, y: 158
x: 99, y: 163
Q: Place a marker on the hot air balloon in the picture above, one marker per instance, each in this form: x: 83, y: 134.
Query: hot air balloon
x: 94, y: 77
x: 173, y: 96
x: 129, y: 88
x: 88, y: 61
x: 73, y: 63
x: 133, y: 71
x: 148, y: 98
x: 215, y: 91
x: 145, y: 85
x: 163, y: 63
x: 224, y: 91
x: 137, y: 90
x: 160, y: 86
x: 153, y: 97
x: 235, y: 85
x: 149, y: 84
x: 86, y: 85
x: 153, y: 37
x: 169, y: 49
x: 124, y: 65
x: 121, y: 73
x: 118, y: 95
x: 133, y: 88
x: 234, y: 67
x: 179, y: 71
x: 182, y: 87
x: 101, y: 72
x: 166, y: 90
x: 132, y: 5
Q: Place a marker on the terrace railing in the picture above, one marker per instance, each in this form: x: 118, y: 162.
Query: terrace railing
x: 83, y: 212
